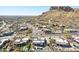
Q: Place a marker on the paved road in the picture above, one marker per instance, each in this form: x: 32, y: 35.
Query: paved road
x: 34, y: 29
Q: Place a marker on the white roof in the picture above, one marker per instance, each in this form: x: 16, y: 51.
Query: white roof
x: 35, y: 39
x: 43, y: 26
x: 76, y: 39
x: 1, y: 43
x: 45, y: 29
x: 4, y: 40
x: 71, y: 29
x: 25, y: 39
x: 42, y: 38
x: 18, y: 40
x: 23, y: 27
x: 60, y: 40
x: 38, y: 41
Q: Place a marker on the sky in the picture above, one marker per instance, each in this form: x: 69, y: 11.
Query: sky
x: 24, y: 10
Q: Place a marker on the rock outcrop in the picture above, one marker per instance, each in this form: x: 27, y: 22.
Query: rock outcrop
x: 62, y: 8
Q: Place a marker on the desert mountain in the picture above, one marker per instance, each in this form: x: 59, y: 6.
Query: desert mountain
x: 61, y: 15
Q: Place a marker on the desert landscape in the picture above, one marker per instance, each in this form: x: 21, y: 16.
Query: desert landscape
x: 55, y: 30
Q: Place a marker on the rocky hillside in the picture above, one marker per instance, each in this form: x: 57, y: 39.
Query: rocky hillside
x: 61, y: 8
x: 62, y: 15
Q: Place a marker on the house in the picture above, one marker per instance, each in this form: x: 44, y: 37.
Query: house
x: 47, y: 31
x: 8, y: 33
x: 17, y: 41
x: 26, y: 40
x: 76, y: 45
x: 3, y: 42
x: 21, y: 42
x: 40, y: 42
x: 71, y: 30
x: 43, y: 26
x: 23, y: 27
x: 62, y: 42
x: 76, y: 39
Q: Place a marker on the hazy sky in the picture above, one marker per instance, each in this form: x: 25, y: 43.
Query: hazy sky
x: 23, y: 10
